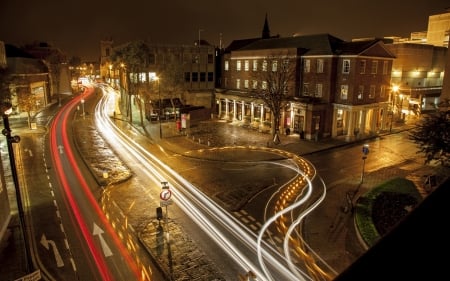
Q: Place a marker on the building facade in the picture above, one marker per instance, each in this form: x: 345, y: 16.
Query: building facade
x: 339, y: 88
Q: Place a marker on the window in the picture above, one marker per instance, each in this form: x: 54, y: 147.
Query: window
x: 319, y: 66
x: 195, y: 59
x: 362, y: 67
x: 346, y: 66
x: 238, y: 65
x: 383, y: 91
x: 255, y: 65
x: 255, y: 84
x: 385, y: 67
x: 274, y: 66
x: 246, y: 65
x: 344, y: 92
x: 210, y: 59
x: 202, y: 76
x: 246, y: 84
x: 306, y: 89
x: 319, y: 87
x: 238, y: 83
x: 285, y: 65
x: 374, y: 67
x: 210, y: 76
x: 194, y: 76
x: 264, y: 85
x: 372, y: 91
x: 360, y: 92
x: 226, y: 65
x: 187, y: 77
x: 264, y: 65
x: 307, y: 66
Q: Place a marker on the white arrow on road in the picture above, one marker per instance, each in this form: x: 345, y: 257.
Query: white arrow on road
x: 61, y: 149
x: 46, y: 243
x: 98, y: 231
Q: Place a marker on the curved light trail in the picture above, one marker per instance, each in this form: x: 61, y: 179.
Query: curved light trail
x: 99, y: 259
x: 240, y: 243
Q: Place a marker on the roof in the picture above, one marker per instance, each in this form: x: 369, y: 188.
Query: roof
x: 317, y: 44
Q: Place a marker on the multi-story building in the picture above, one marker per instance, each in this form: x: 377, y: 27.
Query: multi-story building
x: 339, y: 88
x: 194, y: 64
x: 417, y: 78
x: 439, y: 29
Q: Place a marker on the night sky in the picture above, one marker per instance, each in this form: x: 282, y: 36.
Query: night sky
x: 76, y: 27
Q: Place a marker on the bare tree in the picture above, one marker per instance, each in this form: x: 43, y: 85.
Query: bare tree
x: 135, y: 56
x: 274, y: 79
x: 26, y: 102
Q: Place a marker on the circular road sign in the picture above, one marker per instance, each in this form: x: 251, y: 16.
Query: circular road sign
x: 165, y: 194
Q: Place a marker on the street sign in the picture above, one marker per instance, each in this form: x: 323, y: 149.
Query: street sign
x: 164, y: 185
x: 163, y: 203
x: 165, y: 194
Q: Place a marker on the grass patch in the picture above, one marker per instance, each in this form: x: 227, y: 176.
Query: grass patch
x: 380, y: 209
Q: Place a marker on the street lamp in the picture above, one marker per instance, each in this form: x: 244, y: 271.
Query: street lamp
x: 7, y: 109
x: 156, y: 78
x: 365, y: 151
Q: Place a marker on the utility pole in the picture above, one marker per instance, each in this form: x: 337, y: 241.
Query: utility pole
x: 7, y: 108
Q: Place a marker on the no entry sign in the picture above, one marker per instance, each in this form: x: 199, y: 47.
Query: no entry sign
x: 165, y: 194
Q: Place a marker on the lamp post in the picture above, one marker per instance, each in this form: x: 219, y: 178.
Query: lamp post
x: 159, y: 105
x: 7, y: 108
x: 365, y: 151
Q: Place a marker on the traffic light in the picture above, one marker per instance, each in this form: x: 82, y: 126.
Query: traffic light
x: 159, y: 213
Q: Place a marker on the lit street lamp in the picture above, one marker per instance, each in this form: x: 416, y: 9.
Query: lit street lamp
x: 156, y: 78
x: 365, y: 151
x: 6, y: 109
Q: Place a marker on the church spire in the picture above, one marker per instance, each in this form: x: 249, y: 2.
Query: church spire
x: 266, y: 30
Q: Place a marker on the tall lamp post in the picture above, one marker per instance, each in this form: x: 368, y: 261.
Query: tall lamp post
x: 365, y: 151
x: 159, y: 105
x: 6, y: 110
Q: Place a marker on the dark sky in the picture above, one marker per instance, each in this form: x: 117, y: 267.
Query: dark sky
x: 76, y: 27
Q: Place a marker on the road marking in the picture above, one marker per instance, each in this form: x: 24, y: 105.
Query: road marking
x: 47, y: 243
x: 105, y: 248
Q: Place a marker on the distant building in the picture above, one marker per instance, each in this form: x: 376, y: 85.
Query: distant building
x: 439, y: 29
x: 186, y: 72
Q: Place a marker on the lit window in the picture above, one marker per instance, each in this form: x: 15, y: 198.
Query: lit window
x: 344, y: 92
x: 362, y: 67
x: 274, y: 66
x: 246, y: 84
x: 372, y: 91
x: 255, y: 84
x: 238, y: 65
x: 226, y: 65
x: 255, y: 65
x: 319, y: 88
x: 385, y: 67
x: 360, y: 92
x: 374, y: 67
x: 238, y: 83
x: 306, y: 89
x: 246, y: 65
x: 264, y: 65
x: 307, y: 66
x: 320, y: 66
x: 264, y: 85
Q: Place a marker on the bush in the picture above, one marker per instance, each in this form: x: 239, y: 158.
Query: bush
x: 380, y: 209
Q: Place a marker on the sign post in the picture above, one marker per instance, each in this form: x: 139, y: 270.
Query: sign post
x: 165, y: 196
